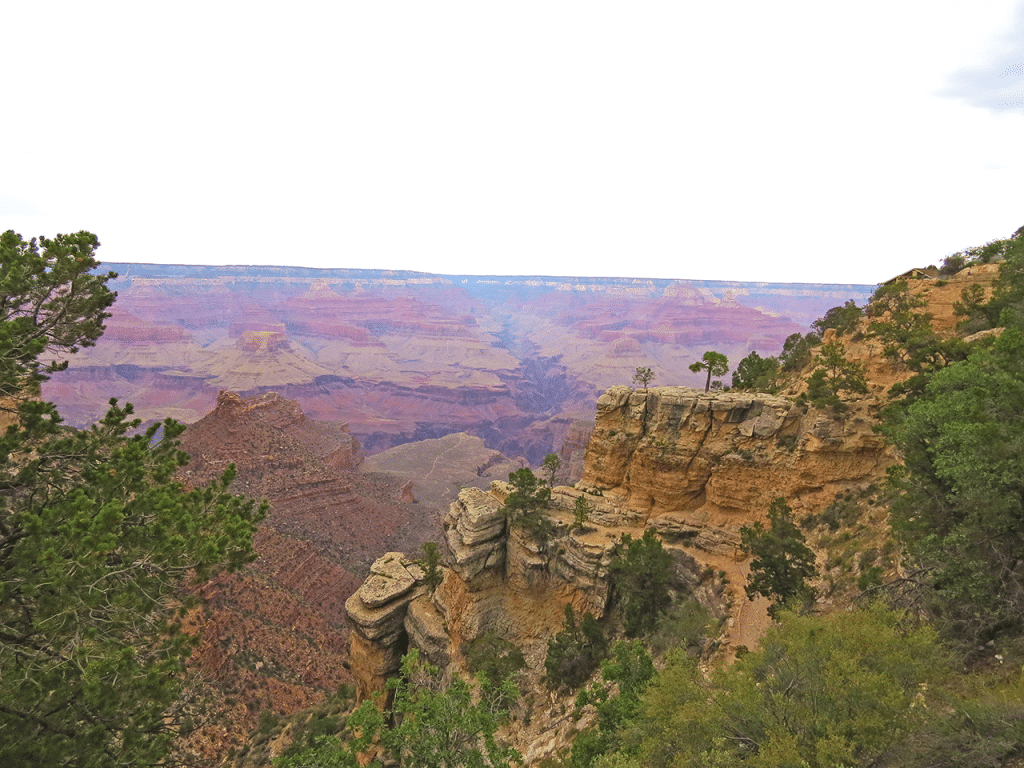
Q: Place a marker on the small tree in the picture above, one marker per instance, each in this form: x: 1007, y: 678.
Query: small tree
x: 843, y: 319
x: 575, y: 652
x: 642, y: 573
x: 782, y: 561
x: 624, y: 678
x: 494, y: 660
x: 715, y: 363
x: 756, y: 373
x: 437, y: 726
x: 796, y: 350
x: 643, y: 377
x: 835, y: 374
x: 552, y: 463
x: 523, y: 506
x: 581, y: 512
x: 431, y: 564
x: 905, y: 332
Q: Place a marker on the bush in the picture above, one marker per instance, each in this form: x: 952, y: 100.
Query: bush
x: 843, y: 319
x: 575, y: 652
x: 641, y: 573
x: 782, y: 561
x: 493, y: 657
x: 523, y: 507
x: 686, y: 626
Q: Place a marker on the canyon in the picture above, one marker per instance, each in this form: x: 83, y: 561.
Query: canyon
x: 404, y: 356
x: 695, y: 468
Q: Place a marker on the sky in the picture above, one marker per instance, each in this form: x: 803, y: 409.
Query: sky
x: 799, y: 141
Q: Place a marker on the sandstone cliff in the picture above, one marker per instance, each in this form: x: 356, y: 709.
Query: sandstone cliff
x: 695, y: 467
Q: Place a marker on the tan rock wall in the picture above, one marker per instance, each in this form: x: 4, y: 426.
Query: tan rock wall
x: 721, y: 458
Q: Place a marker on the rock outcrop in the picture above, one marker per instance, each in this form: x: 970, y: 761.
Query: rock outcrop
x: 701, y: 464
x: 695, y: 467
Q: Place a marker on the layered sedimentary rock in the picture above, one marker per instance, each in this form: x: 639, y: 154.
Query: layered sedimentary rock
x: 690, y: 459
x: 274, y: 633
x: 695, y: 467
x: 505, y: 582
x: 407, y: 356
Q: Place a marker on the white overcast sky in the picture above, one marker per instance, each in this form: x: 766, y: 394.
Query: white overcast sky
x: 801, y: 141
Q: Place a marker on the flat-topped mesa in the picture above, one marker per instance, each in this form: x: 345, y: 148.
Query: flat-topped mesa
x: 690, y: 459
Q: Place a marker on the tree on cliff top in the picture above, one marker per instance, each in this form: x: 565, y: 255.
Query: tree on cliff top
x: 643, y: 377
x: 524, y: 505
x: 715, y: 363
x: 96, y: 536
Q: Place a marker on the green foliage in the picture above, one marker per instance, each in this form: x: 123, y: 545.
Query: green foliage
x: 431, y: 564
x: 686, y: 625
x: 552, y: 464
x: 1006, y: 307
x: 624, y: 678
x: 442, y: 727
x: 843, y: 319
x: 906, y: 333
x: 782, y: 561
x: 796, y: 351
x: 494, y: 659
x: 641, y: 573
x: 574, y: 653
x: 96, y: 539
x: 960, y: 503
x: 643, y: 377
x: 524, y: 506
x: 843, y: 511
x: 580, y: 512
x: 756, y: 373
x: 971, y: 307
x: 49, y: 302
x: 820, y: 692
x: 361, y: 729
x: 953, y: 264
x: 715, y: 363
x: 834, y: 375
x: 435, y: 726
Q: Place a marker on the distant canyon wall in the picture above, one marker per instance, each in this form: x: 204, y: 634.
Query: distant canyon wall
x: 407, y: 356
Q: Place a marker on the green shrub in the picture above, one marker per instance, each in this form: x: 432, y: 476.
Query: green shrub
x: 575, y: 652
x: 641, y: 574
x: 493, y: 658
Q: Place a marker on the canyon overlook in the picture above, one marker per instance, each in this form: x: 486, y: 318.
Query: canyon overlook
x: 403, y: 356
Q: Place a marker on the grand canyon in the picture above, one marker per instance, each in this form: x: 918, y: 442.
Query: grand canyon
x: 404, y: 356
x: 364, y: 404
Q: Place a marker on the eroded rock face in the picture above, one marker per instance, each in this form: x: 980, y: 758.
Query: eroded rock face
x: 377, y: 614
x: 505, y: 582
x: 695, y: 467
x: 690, y: 459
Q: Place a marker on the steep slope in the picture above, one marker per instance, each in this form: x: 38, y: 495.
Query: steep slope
x: 274, y: 635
